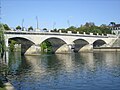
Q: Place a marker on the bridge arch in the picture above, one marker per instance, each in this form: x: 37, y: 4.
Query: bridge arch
x: 79, y: 43
x: 65, y: 41
x: 98, y: 43
x: 58, y: 45
x: 25, y: 43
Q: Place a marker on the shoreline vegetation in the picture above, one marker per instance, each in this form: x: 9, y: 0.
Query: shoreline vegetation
x: 2, y: 50
x: 3, y: 79
x: 3, y: 70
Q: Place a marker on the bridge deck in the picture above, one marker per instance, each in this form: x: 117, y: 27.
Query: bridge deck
x: 54, y: 33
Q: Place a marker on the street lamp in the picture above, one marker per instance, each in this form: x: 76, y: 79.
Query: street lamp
x: 22, y: 24
x: 37, y: 22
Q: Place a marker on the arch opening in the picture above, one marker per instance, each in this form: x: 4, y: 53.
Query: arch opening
x: 25, y: 43
x: 79, y: 43
x: 56, y: 45
x: 98, y: 43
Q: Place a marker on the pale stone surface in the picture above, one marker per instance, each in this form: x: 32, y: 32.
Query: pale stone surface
x: 33, y: 50
x: 68, y: 38
x: 9, y: 86
x: 63, y: 49
x: 86, y: 48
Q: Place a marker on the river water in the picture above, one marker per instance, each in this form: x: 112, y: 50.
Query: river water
x: 75, y: 71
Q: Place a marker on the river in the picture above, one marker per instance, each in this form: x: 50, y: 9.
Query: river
x: 75, y: 71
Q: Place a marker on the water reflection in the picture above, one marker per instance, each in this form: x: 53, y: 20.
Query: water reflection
x: 89, y: 60
x: 14, y: 61
x: 17, y: 63
x: 112, y: 59
x: 65, y: 71
x: 67, y: 61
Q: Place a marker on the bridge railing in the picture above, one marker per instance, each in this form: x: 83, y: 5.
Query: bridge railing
x: 60, y: 33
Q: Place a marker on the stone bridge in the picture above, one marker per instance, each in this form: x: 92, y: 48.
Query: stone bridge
x: 61, y: 42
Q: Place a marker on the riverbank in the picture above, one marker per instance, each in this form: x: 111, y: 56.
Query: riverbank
x: 5, y: 84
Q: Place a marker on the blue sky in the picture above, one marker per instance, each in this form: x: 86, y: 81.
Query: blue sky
x: 57, y: 13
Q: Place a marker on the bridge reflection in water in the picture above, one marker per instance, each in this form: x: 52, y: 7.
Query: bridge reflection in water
x: 74, y: 71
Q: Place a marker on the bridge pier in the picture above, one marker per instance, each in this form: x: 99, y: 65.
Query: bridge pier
x: 36, y: 49
x: 6, y: 44
x: 65, y: 48
x: 87, y: 48
x: 33, y: 50
x: 71, y: 47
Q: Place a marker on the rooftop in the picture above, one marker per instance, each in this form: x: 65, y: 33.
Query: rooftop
x: 116, y: 25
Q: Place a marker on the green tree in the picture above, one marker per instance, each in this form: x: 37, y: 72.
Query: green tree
x: 6, y: 27
x: 89, y: 24
x: 63, y: 30
x: 18, y: 28
x: 44, y: 29
x: 46, y: 45
x: 112, y: 24
x: 54, y: 30
x: 2, y: 42
x: 72, y: 28
x: 30, y: 28
x: 89, y: 27
x: 12, y: 43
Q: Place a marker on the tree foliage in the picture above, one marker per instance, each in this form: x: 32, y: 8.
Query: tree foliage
x: 89, y: 27
x: 45, y: 29
x: 112, y: 23
x: 63, y: 30
x: 46, y: 46
x: 6, y: 27
x: 18, y: 28
x: 54, y: 30
x: 72, y: 28
x: 2, y: 42
x: 12, y: 45
x: 30, y: 28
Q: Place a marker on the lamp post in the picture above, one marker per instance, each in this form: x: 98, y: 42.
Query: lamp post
x: 22, y: 24
x: 68, y: 22
x: 54, y: 25
x: 37, y: 22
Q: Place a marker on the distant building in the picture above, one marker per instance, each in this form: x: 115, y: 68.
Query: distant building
x: 116, y: 29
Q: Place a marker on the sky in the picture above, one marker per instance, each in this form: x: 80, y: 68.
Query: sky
x: 59, y: 13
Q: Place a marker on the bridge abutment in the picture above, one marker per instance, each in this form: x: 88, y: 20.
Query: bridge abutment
x: 6, y: 43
